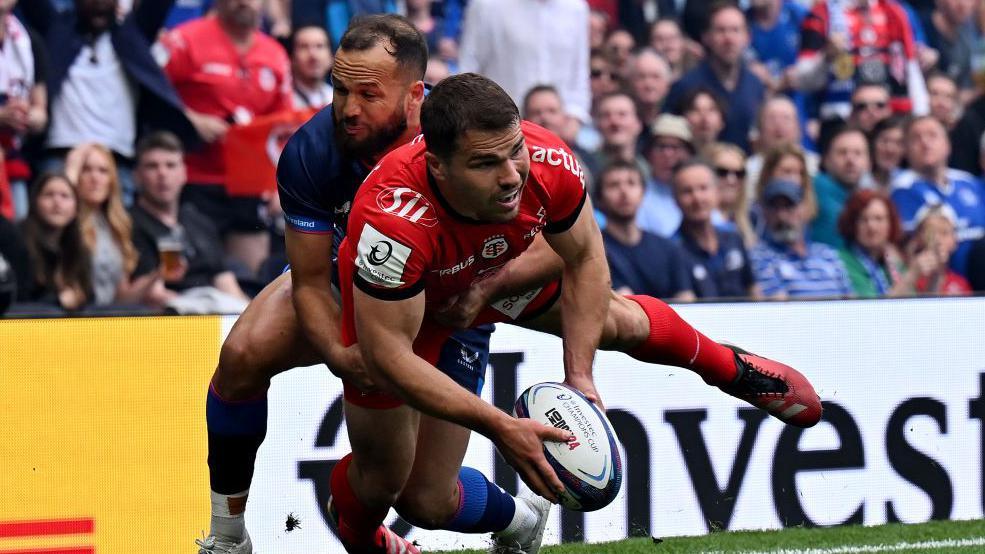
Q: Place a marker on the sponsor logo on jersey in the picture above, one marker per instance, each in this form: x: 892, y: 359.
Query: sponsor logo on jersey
x: 457, y: 267
x: 558, y: 157
x: 408, y: 204
x: 494, y: 247
x: 380, y: 259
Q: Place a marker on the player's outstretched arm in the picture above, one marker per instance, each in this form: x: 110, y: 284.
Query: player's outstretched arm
x: 585, y: 295
x: 386, y: 331
x: 319, y: 313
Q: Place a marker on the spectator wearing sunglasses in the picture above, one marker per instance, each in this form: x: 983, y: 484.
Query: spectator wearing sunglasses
x: 846, y: 166
x: 728, y: 162
x: 870, y: 105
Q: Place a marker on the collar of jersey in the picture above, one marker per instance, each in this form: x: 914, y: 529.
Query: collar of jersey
x: 444, y: 202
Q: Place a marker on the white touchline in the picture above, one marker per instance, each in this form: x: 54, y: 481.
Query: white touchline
x: 864, y: 548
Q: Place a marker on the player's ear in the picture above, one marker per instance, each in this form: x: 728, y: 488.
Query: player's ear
x: 416, y: 93
x: 435, y: 166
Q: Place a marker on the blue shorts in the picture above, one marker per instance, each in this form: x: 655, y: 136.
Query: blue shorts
x: 465, y: 355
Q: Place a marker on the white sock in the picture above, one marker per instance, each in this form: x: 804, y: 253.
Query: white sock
x: 523, y: 518
x: 224, y: 522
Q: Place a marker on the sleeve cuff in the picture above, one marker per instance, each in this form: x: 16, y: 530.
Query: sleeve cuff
x: 564, y: 224
x: 402, y: 293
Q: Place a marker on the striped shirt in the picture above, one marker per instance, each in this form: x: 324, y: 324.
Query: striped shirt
x: 780, y: 270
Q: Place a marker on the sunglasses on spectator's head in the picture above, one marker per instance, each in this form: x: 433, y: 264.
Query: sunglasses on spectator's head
x: 724, y: 172
x: 859, y: 106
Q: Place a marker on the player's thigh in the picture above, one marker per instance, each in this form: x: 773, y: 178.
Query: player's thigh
x: 626, y: 324
x: 384, y: 446
x: 266, y: 340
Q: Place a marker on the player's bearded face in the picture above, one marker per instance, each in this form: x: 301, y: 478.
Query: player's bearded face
x: 362, y: 138
x: 484, y: 178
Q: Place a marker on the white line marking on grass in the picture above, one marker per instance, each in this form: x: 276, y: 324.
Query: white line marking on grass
x: 866, y: 548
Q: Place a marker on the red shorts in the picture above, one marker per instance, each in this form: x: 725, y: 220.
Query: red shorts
x: 433, y: 335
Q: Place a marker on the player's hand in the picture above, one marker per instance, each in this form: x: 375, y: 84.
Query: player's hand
x: 586, y: 385
x: 521, y: 442
x: 347, y: 363
x: 460, y: 311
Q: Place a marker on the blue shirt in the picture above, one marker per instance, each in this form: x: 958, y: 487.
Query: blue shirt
x: 963, y: 194
x: 186, y: 10
x: 820, y: 273
x: 722, y: 274
x: 659, y: 213
x: 777, y: 48
x: 743, y: 102
x: 655, y: 266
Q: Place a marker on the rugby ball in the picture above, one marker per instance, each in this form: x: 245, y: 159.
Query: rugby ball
x: 589, y: 465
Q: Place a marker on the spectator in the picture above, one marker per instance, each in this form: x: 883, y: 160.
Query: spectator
x: 886, y: 151
x: 785, y: 162
x: 775, y: 29
x: 638, y: 16
x: 717, y: 260
x: 846, y: 168
x: 724, y: 72
x: 104, y: 85
x: 946, y: 106
x: 421, y: 14
x: 639, y: 262
x: 106, y: 226
x: 871, y: 230
x: 60, y: 261
x: 437, y: 70
x: 13, y: 253
x: 542, y: 105
x: 844, y: 43
x: 520, y: 44
x: 870, y: 105
x: 619, y: 46
x: 619, y: 123
x: 950, y: 30
x: 705, y: 114
x: 931, y: 245
x: 228, y: 72
x: 23, y: 99
x: 785, y: 263
x: 776, y: 124
x: 728, y: 161
x: 598, y: 28
x: 669, y: 41
x: 602, y: 77
x: 649, y: 81
x: 158, y: 218
x: 311, y: 60
x: 930, y: 182
x: 338, y: 13
x: 671, y: 144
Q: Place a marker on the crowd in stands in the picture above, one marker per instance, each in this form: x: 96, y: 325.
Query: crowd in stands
x: 765, y: 149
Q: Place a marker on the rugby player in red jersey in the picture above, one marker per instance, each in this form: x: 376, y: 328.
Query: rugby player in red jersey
x: 431, y: 220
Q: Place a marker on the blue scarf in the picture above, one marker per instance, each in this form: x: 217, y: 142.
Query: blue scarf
x: 876, y: 273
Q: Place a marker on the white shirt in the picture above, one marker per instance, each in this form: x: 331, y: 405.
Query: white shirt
x: 524, y: 43
x: 97, y: 103
x: 305, y: 97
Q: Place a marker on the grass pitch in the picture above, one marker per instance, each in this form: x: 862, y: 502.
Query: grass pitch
x: 936, y: 536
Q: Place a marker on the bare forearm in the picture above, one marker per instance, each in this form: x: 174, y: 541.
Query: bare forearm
x: 320, y: 317
x: 584, y: 305
x: 536, y: 267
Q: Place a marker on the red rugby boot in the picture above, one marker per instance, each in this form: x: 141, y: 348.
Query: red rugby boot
x: 385, y: 541
x: 777, y: 388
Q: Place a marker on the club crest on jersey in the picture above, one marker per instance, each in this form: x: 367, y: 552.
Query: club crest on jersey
x: 494, y: 247
x: 408, y: 204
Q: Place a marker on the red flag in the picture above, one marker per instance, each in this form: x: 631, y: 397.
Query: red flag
x: 251, y: 151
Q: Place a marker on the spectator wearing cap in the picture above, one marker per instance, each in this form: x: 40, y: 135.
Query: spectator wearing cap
x: 724, y: 71
x: 618, y: 121
x: 228, y: 72
x: 649, y: 81
x: 104, y: 85
x: 929, y: 182
x: 23, y: 103
x: 717, y: 260
x: 671, y: 143
x: 639, y: 262
x: 521, y: 44
x: 311, y: 60
x: 785, y: 263
x: 846, y: 169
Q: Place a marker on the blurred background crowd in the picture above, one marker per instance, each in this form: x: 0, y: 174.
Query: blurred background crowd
x: 766, y: 149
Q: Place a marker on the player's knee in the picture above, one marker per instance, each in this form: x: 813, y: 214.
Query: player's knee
x: 626, y: 325
x: 427, y: 509
x: 238, y: 375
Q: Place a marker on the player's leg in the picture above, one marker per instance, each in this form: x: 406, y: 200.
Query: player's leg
x: 265, y: 341
x: 441, y: 494
x: 367, y: 482
x: 651, y: 331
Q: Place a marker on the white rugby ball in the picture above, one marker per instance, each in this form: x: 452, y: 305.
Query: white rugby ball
x: 589, y: 466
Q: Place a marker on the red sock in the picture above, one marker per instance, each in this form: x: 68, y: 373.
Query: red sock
x: 673, y: 341
x: 358, y: 524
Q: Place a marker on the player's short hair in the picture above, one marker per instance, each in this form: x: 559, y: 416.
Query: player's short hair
x: 399, y: 37
x: 159, y: 140
x: 462, y: 103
